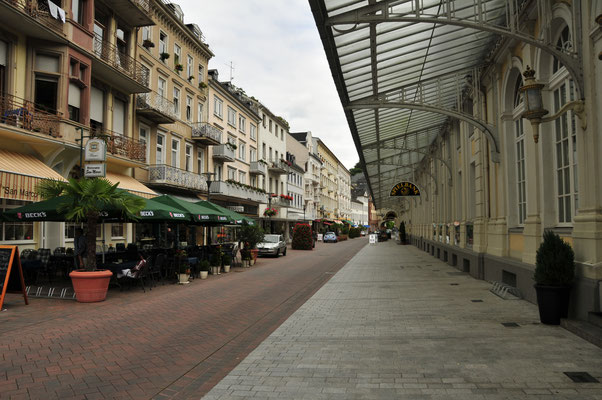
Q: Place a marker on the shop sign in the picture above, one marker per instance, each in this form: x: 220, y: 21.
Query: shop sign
x: 404, y: 189
x: 94, y: 170
x: 96, y: 150
x: 238, y: 209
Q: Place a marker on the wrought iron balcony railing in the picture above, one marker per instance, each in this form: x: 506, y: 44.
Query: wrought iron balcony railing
x: 206, y: 133
x: 156, y: 107
x: 111, y: 55
x: 26, y: 115
x: 236, y: 190
x: 39, y: 10
x: 122, y: 146
x: 172, y: 176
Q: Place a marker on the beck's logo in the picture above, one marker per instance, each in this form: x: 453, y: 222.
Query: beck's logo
x: 176, y: 215
x: 147, y: 214
x: 41, y: 214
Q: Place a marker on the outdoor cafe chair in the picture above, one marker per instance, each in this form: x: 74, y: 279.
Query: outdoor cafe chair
x: 138, y: 277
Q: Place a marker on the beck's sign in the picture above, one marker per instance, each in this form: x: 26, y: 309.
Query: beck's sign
x: 404, y: 189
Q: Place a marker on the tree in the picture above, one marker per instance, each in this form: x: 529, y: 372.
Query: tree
x: 250, y: 235
x: 357, y: 169
x: 302, y: 238
x: 86, y: 199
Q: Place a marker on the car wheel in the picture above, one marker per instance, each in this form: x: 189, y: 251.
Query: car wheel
x: 277, y: 253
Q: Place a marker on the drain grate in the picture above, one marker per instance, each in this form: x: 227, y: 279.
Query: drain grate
x: 477, y: 301
x: 581, y: 377
x: 453, y: 284
x: 510, y: 324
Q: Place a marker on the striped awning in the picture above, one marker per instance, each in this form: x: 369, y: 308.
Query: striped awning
x: 20, y: 175
x: 131, y: 185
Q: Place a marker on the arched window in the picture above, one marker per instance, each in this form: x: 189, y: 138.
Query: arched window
x: 565, y: 44
x: 519, y: 146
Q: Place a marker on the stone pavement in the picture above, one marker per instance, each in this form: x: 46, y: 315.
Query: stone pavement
x: 396, y: 323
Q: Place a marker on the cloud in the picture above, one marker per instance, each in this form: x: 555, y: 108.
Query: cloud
x: 278, y: 58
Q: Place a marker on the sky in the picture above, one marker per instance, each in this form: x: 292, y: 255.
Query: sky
x: 279, y: 59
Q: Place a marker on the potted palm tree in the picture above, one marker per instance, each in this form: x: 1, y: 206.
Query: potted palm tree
x: 227, y: 259
x: 84, y: 200
x: 554, y: 275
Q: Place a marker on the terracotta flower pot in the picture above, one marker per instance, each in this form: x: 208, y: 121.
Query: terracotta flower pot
x: 90, y: 286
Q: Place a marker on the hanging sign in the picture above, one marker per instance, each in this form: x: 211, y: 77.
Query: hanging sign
x: 94, y: 170
x: 96, y: 150
x: 405, y: 189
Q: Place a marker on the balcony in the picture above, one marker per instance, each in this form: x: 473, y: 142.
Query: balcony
x: 133, y: 12
x: 206, y: 134
x: 239, y: 191
x: 224, y: 153
x: 130, y: 76
x: 258, y: 168
x: 156, y: 108
x: 26, y: 115
x: 278, y: 166
x: 31, y: 18
x: 280, y: 202
x: 165, y: 175
x: 122, y: 146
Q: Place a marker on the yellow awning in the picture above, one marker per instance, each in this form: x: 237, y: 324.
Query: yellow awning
x: 21, y: 173
x: 130, y: 184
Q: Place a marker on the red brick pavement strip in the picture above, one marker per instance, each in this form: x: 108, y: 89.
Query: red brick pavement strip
x: 175, y: 341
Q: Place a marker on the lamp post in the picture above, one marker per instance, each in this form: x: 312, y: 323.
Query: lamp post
x: 534, y: 110
x: 208, y: 176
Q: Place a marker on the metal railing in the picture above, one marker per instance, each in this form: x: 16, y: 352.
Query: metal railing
x: 122, y: 146
x: 110, y: 54
x: 224, y: 151
x: 162, y: 173
x: 155, y: 101
x: 204, y: 129
x: 38, y: 10
x: 258, y: 167
x: 26, y: 115
x: 142, y: 4
x: 239, y: 191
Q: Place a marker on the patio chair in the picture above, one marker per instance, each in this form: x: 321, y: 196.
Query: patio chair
x: 156, y: 269
x: 120, y: 247
x: 46, y: 268
x: 59, y: 251
x: 139, y: 275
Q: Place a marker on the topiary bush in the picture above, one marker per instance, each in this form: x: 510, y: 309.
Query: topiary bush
x: 555, y: 261
x: 354, y: 232
x: 302, y: 238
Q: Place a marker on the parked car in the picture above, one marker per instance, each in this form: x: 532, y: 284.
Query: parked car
x: 363, y: 233
x: 330, y: 237
x: 272, y: 245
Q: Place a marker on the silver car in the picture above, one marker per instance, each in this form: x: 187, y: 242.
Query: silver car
x: 272, y: 245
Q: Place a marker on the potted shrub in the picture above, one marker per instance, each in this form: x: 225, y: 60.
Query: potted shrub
x: 204, y: 268
x: 183, y: 273
x: 147, y: 44
x: 83, y: 200
x: 554, y: 275
x: 302, y: 237
x: 179, y: 67
x: 164, y: 56
x: 227, y: 260
x: 202, y: 85
x: 190, y: 78
x: 250, y: 235
x: 216, y: 263
x: 245, y: 254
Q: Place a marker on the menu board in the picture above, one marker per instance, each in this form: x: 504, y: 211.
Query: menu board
x: 11, y: 273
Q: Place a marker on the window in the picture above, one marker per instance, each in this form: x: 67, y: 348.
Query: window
x: 201, y: 74
x: 242, y: 121
x: 242, y: 177
x: 119, y: 109
x: 75, y: 94
x: 252, y: 154
x: 160, y: 152
x: 144, y: 136
x: 16, y: 230
x: 188, y: 108
x: 177, y: 55
x: 200, y: 161
x: 146, y: 33
x: 117, y: 231
x: 566, y: 154
x: 161, y: 87
x: 263, y: 153
x: 175, y: 153
x: 70, y: 228
x: 270, y: 126
x: 281, y: 134
x: 189, y: 67
x: 565, y: 44
x: 519, y: 136
x: 199, y: 112
x: 77, y: 9
x: 176, y: 101
x: 218, y: 169
x: 47, y: 73
x: 253, y: 131
x: 231, y: 116
x: 231, y: 173
x: 241, y: 150
x: 97, y: 107
x: 188, y: 155
x: 163, y: 48
x: 218, y: 107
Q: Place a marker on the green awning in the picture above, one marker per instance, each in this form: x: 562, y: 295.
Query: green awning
x: 236, y: 218
x: 199, y: 214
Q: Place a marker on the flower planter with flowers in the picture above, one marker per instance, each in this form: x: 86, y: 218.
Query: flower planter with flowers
x: 179, y: 67
x: 147, y: 44
x: 164, y: 56
x: 270, y: 212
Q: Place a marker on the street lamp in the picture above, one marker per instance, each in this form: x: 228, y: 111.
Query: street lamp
x: 534, y: 111
x: 208, y: 176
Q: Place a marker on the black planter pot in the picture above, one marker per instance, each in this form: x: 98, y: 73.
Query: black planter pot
x: 553, y: 303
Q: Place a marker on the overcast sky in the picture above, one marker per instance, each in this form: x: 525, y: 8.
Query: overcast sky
x: 278, y: 58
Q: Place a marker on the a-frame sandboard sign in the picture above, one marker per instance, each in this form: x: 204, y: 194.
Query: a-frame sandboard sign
x: 11, y: 273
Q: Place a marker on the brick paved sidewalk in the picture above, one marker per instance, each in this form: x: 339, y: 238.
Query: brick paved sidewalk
x: 395, y: 323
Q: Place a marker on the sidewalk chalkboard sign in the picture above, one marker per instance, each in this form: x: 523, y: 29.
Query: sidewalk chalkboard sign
x: 11, y: 273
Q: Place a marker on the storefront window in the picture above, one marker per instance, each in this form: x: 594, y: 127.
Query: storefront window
x: 469, y: 234
x: 16, y: 230
x: 457, y: 235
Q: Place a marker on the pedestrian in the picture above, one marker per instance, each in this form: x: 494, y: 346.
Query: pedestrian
x: 80, y: 248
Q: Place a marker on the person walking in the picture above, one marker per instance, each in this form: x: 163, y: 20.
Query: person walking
x: 80, y: 248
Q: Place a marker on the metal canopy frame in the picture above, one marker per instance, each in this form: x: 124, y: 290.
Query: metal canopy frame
x: 405, y: 69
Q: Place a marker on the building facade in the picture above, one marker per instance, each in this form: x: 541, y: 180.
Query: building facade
x: 313, y: 167
x: 328, y: 181
x: 343, y: 194
x: 298, y: 156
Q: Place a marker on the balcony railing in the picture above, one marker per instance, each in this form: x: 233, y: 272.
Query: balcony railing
x: 258, y: 168
x: 206, y: 133
x: 171, y: 176
x: 26, y: 115
x: 156, y: 107
x: 239, y: 191
x: 280, y: 202
x: 224, y: 152
x: 39, y: 11
x: 111, y: 55
x: 278, y: 166
x: 122, y: 146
